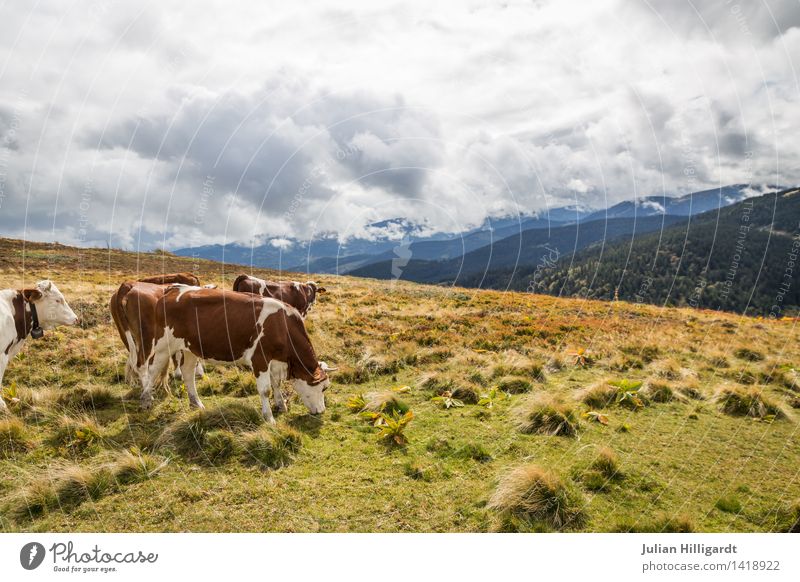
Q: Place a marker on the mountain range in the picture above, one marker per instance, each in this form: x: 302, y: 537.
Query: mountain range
x: 326, y: 254
x: 568, y: 250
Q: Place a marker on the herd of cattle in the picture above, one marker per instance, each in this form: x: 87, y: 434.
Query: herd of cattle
x: 259, y: 324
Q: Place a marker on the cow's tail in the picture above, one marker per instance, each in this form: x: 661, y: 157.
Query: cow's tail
x: 238, y: 281
x: 117, y: 306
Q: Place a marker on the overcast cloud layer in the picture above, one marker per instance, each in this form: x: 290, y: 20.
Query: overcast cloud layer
x: 186, y: 123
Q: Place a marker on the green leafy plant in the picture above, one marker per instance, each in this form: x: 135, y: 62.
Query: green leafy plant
x: 488, y: 400
x: 356, y: 403
x: 11, y: 395
x: 447, y: 400
x: 373, y: 418
x: 627, y: 385
x: 392, y: 430
x: 630, y: 399
x: 595, y: 416
x: 580, y: 357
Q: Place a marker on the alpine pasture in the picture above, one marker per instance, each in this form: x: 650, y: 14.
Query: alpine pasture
x: 452, y: 410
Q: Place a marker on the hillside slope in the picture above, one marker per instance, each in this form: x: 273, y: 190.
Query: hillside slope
x: 525, y: 248
x: 741, y: 258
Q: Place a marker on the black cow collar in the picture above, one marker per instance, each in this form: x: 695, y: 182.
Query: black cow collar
x: 36, y: 331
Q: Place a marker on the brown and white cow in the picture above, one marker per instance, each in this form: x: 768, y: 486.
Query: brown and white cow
x: 262, y: 333
x: 301, y: 296
x: 28, y: 312
x: 135, y: 314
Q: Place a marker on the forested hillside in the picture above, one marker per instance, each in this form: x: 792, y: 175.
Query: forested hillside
x: 741, y: 258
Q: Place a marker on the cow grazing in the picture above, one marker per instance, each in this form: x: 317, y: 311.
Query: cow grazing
x: 301, y: 296
x: 27, y: 313
x: 135, y: 315
x: 262, y: 333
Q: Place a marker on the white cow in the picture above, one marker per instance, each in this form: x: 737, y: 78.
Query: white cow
x: 28, y: 313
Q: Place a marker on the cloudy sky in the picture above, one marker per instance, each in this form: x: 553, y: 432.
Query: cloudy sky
x: 185, y: 123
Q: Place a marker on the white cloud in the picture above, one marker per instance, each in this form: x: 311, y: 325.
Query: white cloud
x: 184, y: 124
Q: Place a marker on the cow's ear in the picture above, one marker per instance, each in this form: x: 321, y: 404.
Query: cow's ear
x: 31, y: 295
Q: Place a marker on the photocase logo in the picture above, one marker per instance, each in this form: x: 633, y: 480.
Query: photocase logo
x: 31, y: 555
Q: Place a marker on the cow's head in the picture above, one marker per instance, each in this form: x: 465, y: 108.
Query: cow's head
x: 51, y: 307
x: 311, y: 393
x: 312, y: 290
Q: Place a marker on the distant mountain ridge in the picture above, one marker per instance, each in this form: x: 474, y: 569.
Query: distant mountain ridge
x: 741, y: 258
x: 433, y: 256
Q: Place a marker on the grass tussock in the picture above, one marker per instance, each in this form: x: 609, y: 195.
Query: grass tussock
x: 547, y: 415
x: 129, y: 467
x: 691, y: 390
x: 729, y: 504
x: 514, y: 384
x: 76, y: 435
x: 748, y: 355
x: 271, y: 447
x: 658, y: 392
x: 372, y: 365
x: 436, y: 384
x: 607, y: 463
x: 599, y: 395
x: 202, y: 435
x: 533, y: 497
x: 87, y: 399
x: 515, y: 364
x: 750, y: 402
x: 68, y: 486
x: 466, y: 394
x: 238, y: 383
x: 233, y: 416
x: 602, y: 472
x: 668, y: 369
x: 218, y: 446
x: 14, y: 437
x: 444, y: 449
x: 388, y: 402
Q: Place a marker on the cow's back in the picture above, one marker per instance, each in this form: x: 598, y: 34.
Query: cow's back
x: 215, y: 324
x: 172, y: 279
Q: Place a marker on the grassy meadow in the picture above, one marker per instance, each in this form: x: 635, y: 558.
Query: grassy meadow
x: 453, y: 410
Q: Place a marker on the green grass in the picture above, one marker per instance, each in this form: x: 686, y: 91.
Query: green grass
x: 13, y: 437
x: 177, y: 469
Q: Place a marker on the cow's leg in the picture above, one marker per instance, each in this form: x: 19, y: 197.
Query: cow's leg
x: 187, y: 370
x: 177, y: 360
x: 3, y: 364
x: 276, y: 380
x: 131, y: 369
x: 148, y: 382
x: 199, y: 371
x: 131, y: 377
x: 262, y: 384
